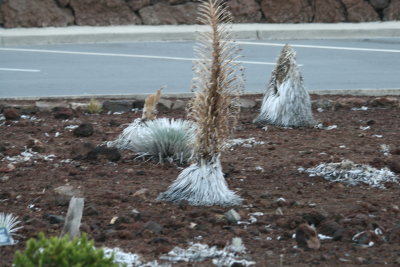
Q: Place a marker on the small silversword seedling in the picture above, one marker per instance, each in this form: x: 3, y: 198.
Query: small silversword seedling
x: 165, y: 140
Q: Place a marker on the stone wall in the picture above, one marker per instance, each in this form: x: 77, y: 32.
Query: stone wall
x: 60, y: 13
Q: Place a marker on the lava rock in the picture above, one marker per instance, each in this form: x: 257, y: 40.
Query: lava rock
x: 28, y: 13
x: 103, y: 12
x: 117, y: 106
x: 360, y: 11
x: 245, y: 10
x: 385, y: 102
x: 392, y: 12
x: 291, y: 11
x: 329, y: 11
x: 232, y: 216
x: 136, y: 5
x: 135, y: 214
x: 306, y: 237
x: 152, y: 227
x: 393, y: 235
x: 63, y: 113
x: 325, y: 104
x: 64, y: 193
x: 35, y: 145
x: 81, y: 151
x: 162, y: 13
x: 55, y: 219
x: 109, y: 153
x: 331, y: 228
x: 90, y: 210
x: 142, y: 194
x: 84, y: 130
x: 394, y: 164
x: 314, y: 218
x: 379, y: 4
x: 244, y: 103
x: 11, y: 114
x: 368, y: 238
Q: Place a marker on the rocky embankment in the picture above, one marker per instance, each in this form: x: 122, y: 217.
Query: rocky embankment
x: 61, y: 13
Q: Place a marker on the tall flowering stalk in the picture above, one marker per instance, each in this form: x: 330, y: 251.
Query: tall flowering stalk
x: 217, y: 81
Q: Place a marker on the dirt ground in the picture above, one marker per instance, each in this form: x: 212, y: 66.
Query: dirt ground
x: 262, y: 174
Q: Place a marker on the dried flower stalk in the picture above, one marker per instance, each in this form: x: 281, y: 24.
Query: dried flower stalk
x: 150, y: 106
x: 217, y: 80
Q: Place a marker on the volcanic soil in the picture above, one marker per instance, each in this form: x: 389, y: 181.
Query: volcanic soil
x: 265, y: 173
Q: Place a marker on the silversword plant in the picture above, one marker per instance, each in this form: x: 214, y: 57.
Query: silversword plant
x: 9, y: 221
x: 286, y: 102
x: 217, y: 79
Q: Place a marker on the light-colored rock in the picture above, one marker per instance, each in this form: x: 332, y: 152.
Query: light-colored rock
x: 232, y: 216
x: 64, y: 193
x: 48, y: 105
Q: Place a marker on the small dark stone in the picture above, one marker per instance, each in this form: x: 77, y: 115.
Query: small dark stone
x: 81, y: 151
x: 138, y: 104
x: 135, y: 215
x: 110, y: 233
x: 35, y: 145
x: 159, y: 240
x: 84, y: 130
x: 141, y: 172
x: 306, y: 237
x: 117, y: 106
x: 124, y: 234
x: 153, y: 227
x: 237, y: 264
x: 114, y: 123
x: 314, y: 218
x: 123, y: 220
x: 55, y: 219
x: 393, y: 235
x: 110, y: 153
x: 100, y: 236
x: 394, y: 164
x: 370, y: 122
x: 84, y: 228
x: 11, y: 114
x: 90, y: 210
x: 63, y: 113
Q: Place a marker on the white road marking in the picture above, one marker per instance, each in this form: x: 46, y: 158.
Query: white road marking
x: 325, y: 47
x: 22, y: 70
x: 118, y: 55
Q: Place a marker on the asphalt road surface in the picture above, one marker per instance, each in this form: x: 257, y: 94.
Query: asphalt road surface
x: 143, y: 67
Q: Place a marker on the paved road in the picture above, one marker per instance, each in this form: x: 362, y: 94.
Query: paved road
x: 143, y: 67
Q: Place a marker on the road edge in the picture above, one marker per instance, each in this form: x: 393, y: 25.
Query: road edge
x: 134, y: 33
x: 350, y: 92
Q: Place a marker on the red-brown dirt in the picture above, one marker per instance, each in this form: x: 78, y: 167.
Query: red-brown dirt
x: 260, y: 174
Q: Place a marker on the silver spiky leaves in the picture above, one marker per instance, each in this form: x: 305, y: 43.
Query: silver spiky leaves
x: 202, y: 184
x: 9, y: 221
x: 165, y: 140
x: 286, y: 102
